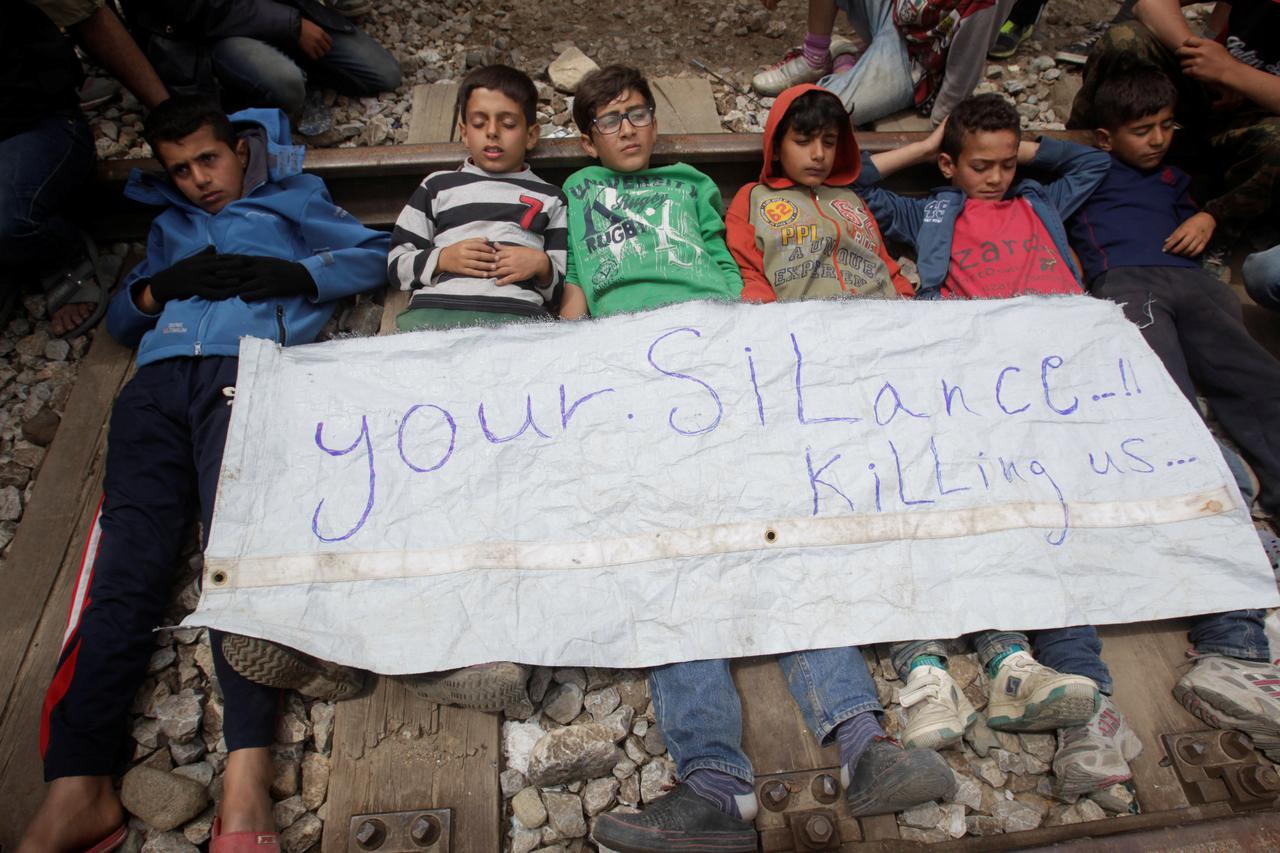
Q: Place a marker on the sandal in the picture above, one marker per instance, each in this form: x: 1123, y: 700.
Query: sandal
x: 78, y: 284
x: 242, y: 842
x: 114, y: 841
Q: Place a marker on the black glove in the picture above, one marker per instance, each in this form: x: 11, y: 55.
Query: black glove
x: 267, y: 278
x: 207, y: 274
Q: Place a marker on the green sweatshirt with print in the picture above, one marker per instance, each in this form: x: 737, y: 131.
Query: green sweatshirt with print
x: 638, y: 240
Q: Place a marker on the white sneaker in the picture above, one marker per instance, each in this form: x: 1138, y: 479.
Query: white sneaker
x: 937, y: 711
x: 1235, y: 694
x: 1096, y: 755
x: 793, y: 70
x: 1027, y: 696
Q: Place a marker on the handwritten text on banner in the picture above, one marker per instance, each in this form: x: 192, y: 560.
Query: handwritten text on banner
x: 711, y: 480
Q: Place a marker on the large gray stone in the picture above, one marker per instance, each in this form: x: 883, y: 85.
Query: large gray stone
x: 572, y: 754
x: 162, y: 799
x: 567, y: 71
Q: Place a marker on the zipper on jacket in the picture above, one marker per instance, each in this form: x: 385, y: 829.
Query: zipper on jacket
x: 280, y: 326
x: 835, y: 247
x: 203, y: 323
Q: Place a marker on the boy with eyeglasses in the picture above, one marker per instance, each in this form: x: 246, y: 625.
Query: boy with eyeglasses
x: 639, y: 236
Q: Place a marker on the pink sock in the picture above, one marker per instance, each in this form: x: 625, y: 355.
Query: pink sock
x: 817, y: 49
x: 844, y: 62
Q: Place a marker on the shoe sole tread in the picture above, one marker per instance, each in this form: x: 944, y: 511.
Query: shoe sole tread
x: 1059, y: 709
x: 267, y: 663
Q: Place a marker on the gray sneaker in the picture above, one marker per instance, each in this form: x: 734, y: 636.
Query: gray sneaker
x: 1228, y: 693
x: 889, y: 779
x: 274, y: 665
x: 1096, y: 755
x: 793, y: 70
x: 484, y: 687
x: 1027, y: 696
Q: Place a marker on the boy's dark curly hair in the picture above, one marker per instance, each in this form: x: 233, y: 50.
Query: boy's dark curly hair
x: 990, y: 112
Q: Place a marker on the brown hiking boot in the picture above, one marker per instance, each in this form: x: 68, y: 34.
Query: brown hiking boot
x: 484, y: 687
x: 273, y: 665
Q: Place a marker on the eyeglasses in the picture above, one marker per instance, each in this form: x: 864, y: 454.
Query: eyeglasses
x: 611, y: 123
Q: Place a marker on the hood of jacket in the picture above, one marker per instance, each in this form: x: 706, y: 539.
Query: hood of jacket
x: 848, y: 158
x: 272, y: 156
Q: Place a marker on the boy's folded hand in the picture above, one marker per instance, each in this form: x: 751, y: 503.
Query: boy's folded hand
x: 272, y: 278
x: 207, y: 275
x: 521, y: 263
x: 1190, y: 238
x: 474, y: 257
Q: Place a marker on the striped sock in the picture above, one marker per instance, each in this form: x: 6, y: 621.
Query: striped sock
x: 817, y: 49
x: 994, y: 665
x: 927, y: 660
x: 854, y: 736
x: 732, y: 796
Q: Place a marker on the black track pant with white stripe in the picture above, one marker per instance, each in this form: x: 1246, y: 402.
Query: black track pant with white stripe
x: 164, y: 451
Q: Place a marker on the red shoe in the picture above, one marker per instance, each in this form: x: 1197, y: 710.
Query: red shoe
x: 242, y: 842
x: 114, y: 841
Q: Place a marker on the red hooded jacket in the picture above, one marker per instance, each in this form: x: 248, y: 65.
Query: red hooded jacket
x: 793, y: 242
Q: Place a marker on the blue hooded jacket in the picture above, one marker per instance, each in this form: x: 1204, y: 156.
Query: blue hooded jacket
x: 928, y: 224
x: 282, y: 214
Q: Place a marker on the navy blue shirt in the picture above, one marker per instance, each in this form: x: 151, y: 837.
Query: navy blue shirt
x: 1129, y: 216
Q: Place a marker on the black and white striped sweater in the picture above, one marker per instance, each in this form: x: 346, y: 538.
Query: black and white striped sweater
x: 516, y: 208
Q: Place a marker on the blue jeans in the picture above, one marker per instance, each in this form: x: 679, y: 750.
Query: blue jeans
x: 40, y: 169
x: 1238, y: 634
x: 879, y: 84
x: 1262, y: 277
x: 265, y: 76
x: 698, y: 711
x: 1076, y: 651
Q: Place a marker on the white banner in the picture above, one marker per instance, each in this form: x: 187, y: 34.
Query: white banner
x: 714, y: 480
